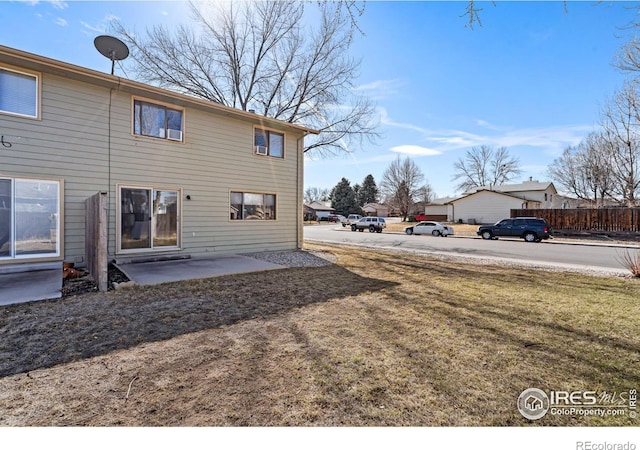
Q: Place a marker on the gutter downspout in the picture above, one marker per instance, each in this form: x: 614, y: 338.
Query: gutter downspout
x: 299, y: 189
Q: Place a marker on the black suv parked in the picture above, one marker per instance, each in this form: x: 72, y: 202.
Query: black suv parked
x: 531, y: 229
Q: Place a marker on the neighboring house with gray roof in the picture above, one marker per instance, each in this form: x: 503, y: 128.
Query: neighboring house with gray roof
x: 317, y: 210
x: 488, y: 204
x: 376, y: 209
x: 530, y: 190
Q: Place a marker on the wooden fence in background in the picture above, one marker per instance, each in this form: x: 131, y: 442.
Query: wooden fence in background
x: 596, y: 219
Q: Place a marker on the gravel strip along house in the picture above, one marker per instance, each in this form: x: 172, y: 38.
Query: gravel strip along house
x: 97, y: 168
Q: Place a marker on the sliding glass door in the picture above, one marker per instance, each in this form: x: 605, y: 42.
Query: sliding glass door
x: 29, y: 218
x: 165, y: 218
x: 149, y: 218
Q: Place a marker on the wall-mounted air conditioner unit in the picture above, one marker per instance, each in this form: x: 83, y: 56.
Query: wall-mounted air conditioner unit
x: 174, y: 135
x: 261, y: 150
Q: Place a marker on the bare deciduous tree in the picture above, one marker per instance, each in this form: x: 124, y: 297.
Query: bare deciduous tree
x: 606, y: 165
x: 628, y: 57
x: 472, y: 12
x: 259, y: 56
x: 485, y: 166
x: 585, y: 171
x: 315, y: 194
x: 425, y: 194
x: 620, y: 123
x: 401, y: 184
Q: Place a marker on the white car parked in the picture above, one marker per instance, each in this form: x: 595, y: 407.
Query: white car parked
x: 428, y: 227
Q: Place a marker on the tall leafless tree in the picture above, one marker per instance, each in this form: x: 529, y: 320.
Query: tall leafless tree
x: 620, y: 120
x: 628, y: 57
x: 316, y: 194
x: 401, y: 185
x: 425, y: 194
x: 262, y: 56
x: 485, y: 166
x: 585, y: 171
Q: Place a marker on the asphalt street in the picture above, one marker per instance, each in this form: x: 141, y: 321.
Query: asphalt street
x: 603, y: 258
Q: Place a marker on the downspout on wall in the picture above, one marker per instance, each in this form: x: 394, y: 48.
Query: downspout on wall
x: 300, y: 188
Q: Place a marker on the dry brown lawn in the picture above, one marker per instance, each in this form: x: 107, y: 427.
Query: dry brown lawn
x: 378, y: 339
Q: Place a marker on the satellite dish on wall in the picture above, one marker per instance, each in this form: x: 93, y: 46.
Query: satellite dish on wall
x: 112, y: 48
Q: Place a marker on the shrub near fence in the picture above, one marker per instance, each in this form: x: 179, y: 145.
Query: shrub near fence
x: 613, y: 220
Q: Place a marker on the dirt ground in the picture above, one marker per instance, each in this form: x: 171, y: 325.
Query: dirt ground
x: 378, y: 339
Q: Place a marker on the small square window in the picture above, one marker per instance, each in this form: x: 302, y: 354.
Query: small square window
x: 268, y: 143
x: 18, y: 93
x: 157, y: 121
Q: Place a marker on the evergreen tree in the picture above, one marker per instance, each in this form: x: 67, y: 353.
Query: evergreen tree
x: 368, y: 192
x: 356, y: 190
x: 343, y: 198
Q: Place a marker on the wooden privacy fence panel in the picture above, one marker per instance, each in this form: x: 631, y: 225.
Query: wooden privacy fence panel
x: 600, y: 219
x: 95, y: 246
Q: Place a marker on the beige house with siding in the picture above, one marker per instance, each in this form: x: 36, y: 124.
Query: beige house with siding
x: 483, y: 207
x: 532, y: 190
x: 490, y: 204
x: 182, y: 176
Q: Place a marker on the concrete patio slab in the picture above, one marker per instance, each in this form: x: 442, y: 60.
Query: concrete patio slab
x: 31, y: 282
x: 156, y: 272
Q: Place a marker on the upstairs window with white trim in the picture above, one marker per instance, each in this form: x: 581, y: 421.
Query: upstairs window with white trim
x: 158, y: 121
x: 268, y: 143
x: 18, y: 93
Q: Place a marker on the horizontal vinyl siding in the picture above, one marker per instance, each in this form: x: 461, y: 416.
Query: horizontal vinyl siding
x: 68, y: 143
x: 71, y: 142
x: 485, y: 207
x: 215, y: 158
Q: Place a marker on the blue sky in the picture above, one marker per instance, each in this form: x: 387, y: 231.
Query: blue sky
x: 532, y: 78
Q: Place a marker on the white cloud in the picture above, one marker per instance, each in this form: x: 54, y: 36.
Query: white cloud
x: 550, y: 139
x: 58, y: 4
x: 486, y: 124
x: 415, y: 150
x: 379, y: 89
x: 92, y: 28
x: 60, y: 21
x: 386, y: 120
x: 102, y: 27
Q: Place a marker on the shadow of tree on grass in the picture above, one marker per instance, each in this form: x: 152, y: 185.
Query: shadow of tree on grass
x: 46, y: 333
